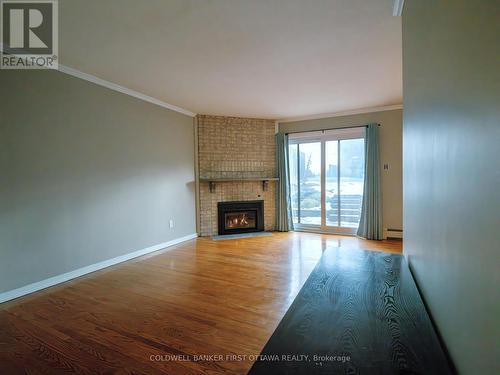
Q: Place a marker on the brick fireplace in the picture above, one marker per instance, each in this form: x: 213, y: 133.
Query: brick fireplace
x: 236, y: 163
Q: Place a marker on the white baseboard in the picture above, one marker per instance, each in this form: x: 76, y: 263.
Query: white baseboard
x: 39, y: 285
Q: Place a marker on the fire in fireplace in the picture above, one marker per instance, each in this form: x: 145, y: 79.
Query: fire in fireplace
x: 240, y: 220
x: 241, y: 217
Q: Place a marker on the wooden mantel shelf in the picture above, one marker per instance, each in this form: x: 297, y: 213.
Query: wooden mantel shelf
x: 213, y: 181
x: 226, y: 179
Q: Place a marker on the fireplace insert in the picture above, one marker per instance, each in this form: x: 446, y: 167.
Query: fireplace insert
x: 240, y: 217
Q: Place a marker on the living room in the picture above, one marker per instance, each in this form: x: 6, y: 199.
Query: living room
x: 263, y: 187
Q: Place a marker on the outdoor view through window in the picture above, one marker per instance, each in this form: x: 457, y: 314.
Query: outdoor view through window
x: 340, y: 158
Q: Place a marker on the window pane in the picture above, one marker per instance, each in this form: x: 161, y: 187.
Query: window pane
x: 351, y: 181
x: 331, y: 183
x: 310, y: 183
x: 294, y: 191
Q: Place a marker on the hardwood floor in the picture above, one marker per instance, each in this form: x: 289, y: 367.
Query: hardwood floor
x: 359, y: 312
x: 156, y: 313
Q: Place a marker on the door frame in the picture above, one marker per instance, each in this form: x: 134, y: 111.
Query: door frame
x: 322, y: 137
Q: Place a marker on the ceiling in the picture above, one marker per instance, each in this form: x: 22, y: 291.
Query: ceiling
x: 254, y: 58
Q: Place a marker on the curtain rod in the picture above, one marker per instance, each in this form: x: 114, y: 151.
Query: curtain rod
x: 323, y: 130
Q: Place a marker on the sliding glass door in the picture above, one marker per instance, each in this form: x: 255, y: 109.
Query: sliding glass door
x: 326, y: 176
x: 306, y: 183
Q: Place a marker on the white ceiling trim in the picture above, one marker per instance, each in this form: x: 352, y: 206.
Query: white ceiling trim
x: 397, y: 10
x: 123, y: 90
x: 343, y: 113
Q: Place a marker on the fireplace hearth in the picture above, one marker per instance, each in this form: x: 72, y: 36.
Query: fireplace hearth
x: 240, y: 217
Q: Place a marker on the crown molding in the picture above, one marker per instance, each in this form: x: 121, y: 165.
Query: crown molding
x: 115, y: 87
x: 124, y: 90
x: 397, y: 10
x: 343, y: 113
